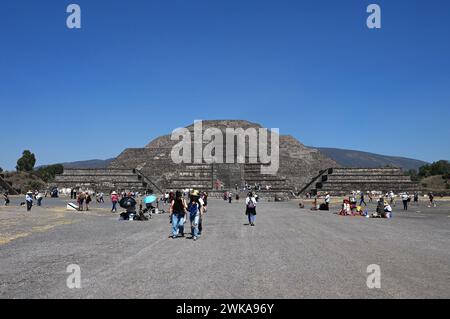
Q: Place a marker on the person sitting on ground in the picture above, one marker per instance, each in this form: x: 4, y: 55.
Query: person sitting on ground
x: 148, y: 200
x: 387, y: 210
x: 129, y: 203
x: 360, y: 211
x: 380, y: 213
x: 345, y: 209
x: 380, y: 207
x: 353, y: 204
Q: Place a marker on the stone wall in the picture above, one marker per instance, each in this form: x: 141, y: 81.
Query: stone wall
x: 105, y: 180
x: 342, y: 181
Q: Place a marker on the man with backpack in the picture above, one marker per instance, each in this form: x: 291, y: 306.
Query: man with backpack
x: 250, y: 210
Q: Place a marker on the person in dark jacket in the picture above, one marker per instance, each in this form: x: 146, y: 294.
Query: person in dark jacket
x: 178, y: 211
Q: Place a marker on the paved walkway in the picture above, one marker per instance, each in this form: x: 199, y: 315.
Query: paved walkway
x: 291, y: 253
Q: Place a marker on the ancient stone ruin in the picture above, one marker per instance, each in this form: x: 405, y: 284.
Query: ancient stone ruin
x: 341, y: 181
x: 153, y: 167
x: 300, y: 168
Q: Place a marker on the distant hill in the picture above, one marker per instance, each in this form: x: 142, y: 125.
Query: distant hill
x: 350, y: 158
x: 345, y: 158
x: 89, y: 164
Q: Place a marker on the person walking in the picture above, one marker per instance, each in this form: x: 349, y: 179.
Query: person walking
x: 431, y: 197
x: 178, y: 211
x: 114, y: 201
x: 29, y: 200
x: 81, y: 198
x: 204, y: 204
x: 88, y: 201
x: 327, y: 200
x: 6, y: 198
x: 370, y: 198
x: 361, y: 199
x: 195, y: 213
x: 405, y: 199
x: 39, y: 198
x: 250, y: 211
x: 230, y: 197
x: 416, y: 198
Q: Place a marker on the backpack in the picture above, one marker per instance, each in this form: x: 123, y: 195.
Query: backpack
x: 251, y: 204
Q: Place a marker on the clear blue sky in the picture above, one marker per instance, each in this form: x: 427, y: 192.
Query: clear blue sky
x: 311, y: 68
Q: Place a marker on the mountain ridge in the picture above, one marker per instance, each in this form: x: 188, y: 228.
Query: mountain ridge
x: 354, y: 158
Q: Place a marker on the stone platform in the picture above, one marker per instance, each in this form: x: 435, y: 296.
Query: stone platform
x: 342, y: 181
x: 104, y: 180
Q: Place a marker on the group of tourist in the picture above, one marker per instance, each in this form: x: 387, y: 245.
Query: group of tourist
x: 29, y: 199
x: 83, y: 200
x: 180, y: 211
x: 229, y: 196
x: 350, y: 207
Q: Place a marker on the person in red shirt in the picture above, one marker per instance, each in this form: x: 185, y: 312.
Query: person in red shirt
x: 114, y: 200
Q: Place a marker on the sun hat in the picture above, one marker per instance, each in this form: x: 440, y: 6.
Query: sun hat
x: 195, y: 193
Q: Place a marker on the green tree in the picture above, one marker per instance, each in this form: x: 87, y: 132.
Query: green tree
x: 26, y: 162
x: 48, y: 173
x: 441, y: 167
